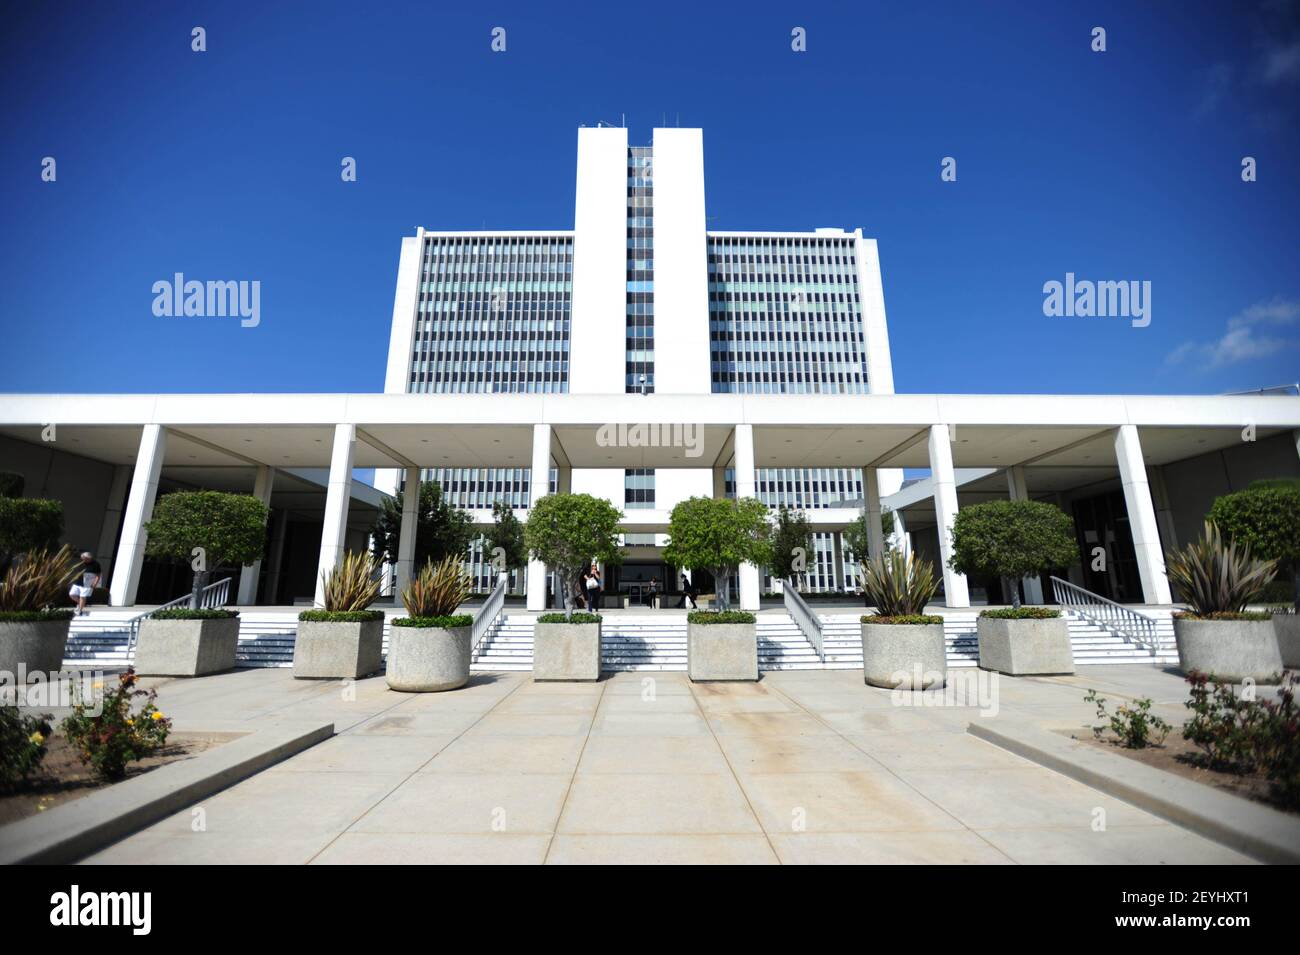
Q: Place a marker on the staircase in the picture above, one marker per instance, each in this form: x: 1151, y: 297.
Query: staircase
x: 507, y: 646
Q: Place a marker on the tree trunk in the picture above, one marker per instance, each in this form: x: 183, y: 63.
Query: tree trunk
x: 1012, y: 586
x: 200, y: 581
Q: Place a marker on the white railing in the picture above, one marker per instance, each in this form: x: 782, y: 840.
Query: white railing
x: 487, y: 615
x: 210, y: 597
x: 1133, y: 626
x: 807, y: 621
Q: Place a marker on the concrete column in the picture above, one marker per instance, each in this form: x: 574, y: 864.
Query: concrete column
x: 837, y: 558
x: 249, y: 576
x: 563, y: 480
x: 406, y: 568
x: 539, y: 484
x: 139, y: 508
x: 333, y: 537
x: 112, y: 519
x: 746, y: 486
x: 955, y: 590
x: 275, y: 560
x: 901, y: 540
x: 719, y: 483
x: 875, y: 527
x: 1141, y: 516
x: 1019, y: 489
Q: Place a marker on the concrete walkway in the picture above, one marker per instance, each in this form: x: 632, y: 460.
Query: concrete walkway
x: 802, y: 767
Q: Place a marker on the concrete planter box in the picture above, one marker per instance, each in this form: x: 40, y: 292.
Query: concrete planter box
x: 721, y: 651
x: 904, y: 656
x: 1025, y: 647
x: 428, y: 659
x: 1229, y: 649
x: 1287, y: 628
x: 566, y: 651
x: 338, y: 650
x: 186, y: 647
x: 35, y: 646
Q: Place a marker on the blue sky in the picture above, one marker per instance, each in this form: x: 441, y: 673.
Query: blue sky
x: 1122, y: 165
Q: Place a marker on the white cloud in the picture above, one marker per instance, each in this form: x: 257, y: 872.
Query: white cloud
x: 1247, y: 336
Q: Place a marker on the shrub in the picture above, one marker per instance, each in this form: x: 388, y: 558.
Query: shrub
x: 718, y: 535
x: 899, y: 585
x: 351, y: 584
x: 28, y: 524
x: 37, y: 581
x: 340, y: 616
x: 792, y: 543
x: 1266, y: 518
x: 189, y: 613
x: 569, y: 618
x: 224, y: 529
x: 1224, y: 615
x: 442, y: 622
x: 1021, y: 613
x: 1135, y: 726
x: 1217, y: 577
x: 34, y: 616
x: 11, y: 484
x: 720, y: 616
x: 118, y: 735
x: 1012, y: 539
x: 909, y: 619
x: 441, y: 530
x: 22, y: 744
x: 567, y: 532
x: 437, y: 591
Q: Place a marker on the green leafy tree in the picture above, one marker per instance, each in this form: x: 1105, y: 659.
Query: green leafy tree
x: 1266, y: 516
x: 568, y: 532
x: 792, y: 544
x: 441, y: 530
x: 28, y: 524
x: 1012, y: 539
x: 209, y: 529
x: 505, y: 540
x: 718, y: 535
x: 855, y: 536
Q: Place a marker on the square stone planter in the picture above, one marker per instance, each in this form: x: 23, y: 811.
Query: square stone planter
x: 721, y: 651
x: 1025, y: 647
x: 1229, y: 649
x: 32, y: 646
x: 1287, y: 628
x: 186, y: 647
x: 428, y: 659
x: 338, y: 650
x: 904, y: 656
x: 566, y: 651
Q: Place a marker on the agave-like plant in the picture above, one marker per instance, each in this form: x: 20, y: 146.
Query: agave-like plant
x: 437, y: 591
x: 899, y: 585
x: 1215, y: 576
x: 37, y: 580
x: 352, y: 584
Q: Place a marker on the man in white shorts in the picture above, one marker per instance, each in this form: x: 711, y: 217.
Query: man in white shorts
x: 90, y: 570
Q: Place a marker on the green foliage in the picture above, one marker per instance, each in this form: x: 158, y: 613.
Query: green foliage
x: 792, y: 544
x: 437, y: 591
x: 118, y: 734
x: 911, y: 619
x: 194, y: 613
x: 1012, y: 539
x: 855, y: 536
x: 441, y: 622
x: 569, y: 618
x: 231, y: 528
x: 1265, y: 517
x: 1226, y: 615
x: 37, y: 581
x: 1021, y: 613
x: 441, y: 530
x: 340, y: 616
x: 1216, y: 577
x: 34, y: 616
x: 352, y: 584
x: 707, y: 617
x: 899, y: 585
x: 22, y: 744
x: 11, y: 484
x: 718, y: 535
x: 28, y: 524
x: 506, y: 533
x: 1135, y: 726
x: 569, y: 532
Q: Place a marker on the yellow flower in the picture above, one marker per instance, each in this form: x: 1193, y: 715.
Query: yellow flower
x: 157, y: 715
x: 130, y: 722
x: 37, y: 738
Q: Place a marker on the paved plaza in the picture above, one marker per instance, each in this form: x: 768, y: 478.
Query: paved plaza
x: 801, y: 767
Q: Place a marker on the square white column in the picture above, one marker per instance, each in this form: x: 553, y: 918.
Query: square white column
x: 745, y: 487
x: 248, y: 577
x: 875, y: 524
x: 139, y: 508
x: 956, y: 593
x: 406, y: 541
x: 837, y: 558
x: 1141, y: 516
x: 333, y: 537
x: 539, y: 484
x: 1019, y: 488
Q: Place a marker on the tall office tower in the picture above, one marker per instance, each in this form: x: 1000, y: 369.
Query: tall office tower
x: 640, y: 297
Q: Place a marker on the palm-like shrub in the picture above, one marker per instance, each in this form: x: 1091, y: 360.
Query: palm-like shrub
x: 37, y: 581
x: 351, y: 585
x: 899, y: 585
x: 1218, y: 577
x: 437, y: 590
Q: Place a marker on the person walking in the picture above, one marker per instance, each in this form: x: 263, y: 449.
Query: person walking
x: 592, y: 585
x: 89, y: 580
x: 652, y: 595
x: 688, y: 592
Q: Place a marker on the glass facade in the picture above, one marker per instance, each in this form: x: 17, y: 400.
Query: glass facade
x: 640, y: 356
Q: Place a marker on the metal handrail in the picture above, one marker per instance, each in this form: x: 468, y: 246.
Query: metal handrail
x: 487, y: 616
x: 213, y: 595
x: 1136, y: 627
x: 803, y: 617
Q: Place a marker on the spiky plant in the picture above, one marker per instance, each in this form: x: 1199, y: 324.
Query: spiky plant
x: 899, y: 585
x: 1218, y: 577
x: 36, y: 581
x: 438, y: 589
x: 352, y: 583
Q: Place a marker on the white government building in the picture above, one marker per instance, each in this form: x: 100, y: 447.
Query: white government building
x: 644, y: 358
